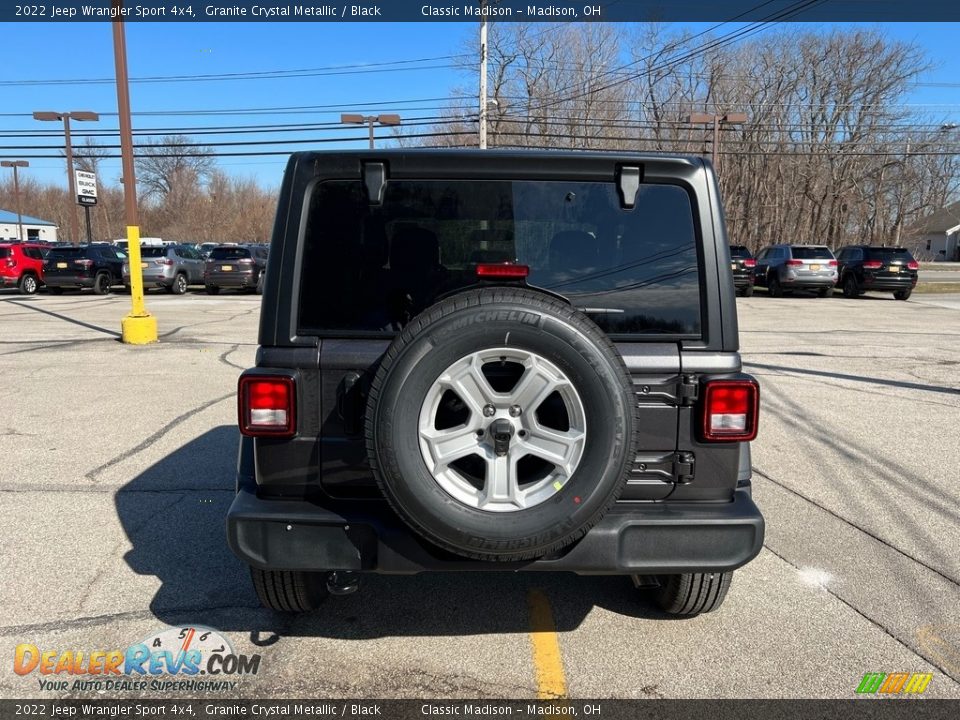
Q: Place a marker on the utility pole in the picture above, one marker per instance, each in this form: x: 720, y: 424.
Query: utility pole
x: 717, y: 121
x: 49, y: 115
x: 16, y: 191
x: 139, y: 327
x: 356, y: 119
x: 483, y: 75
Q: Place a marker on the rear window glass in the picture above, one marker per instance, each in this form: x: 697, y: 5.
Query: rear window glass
x: 889, y: 254
x: 67, y: 252
x: 229, y: 253
x: 739, y: 251
x: 153, y: 252
x: 810, y: 253
x: 373, y: 267
x: 4, y: 252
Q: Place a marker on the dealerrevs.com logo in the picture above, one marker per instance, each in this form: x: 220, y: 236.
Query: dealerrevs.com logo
x: 901, y: 683
x: 187, y: 659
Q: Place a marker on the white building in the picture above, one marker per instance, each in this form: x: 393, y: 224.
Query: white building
x: 937, y: 236
x: 33, y: 228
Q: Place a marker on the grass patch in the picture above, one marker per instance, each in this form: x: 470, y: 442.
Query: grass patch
x: 930, y: 287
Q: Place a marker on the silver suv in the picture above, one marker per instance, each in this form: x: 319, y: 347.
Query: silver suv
x: 171, y: 267
x: 782, y: 268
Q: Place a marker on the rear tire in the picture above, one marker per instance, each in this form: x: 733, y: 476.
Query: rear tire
x: 774, y: 288
x: 291, y: 591
x: 259, y: 289
x: 29, y: 284
x: 101, y: 284
x: 748, y: 291
x: 690, y: 594
x: 903, y: 294
x: 179, y: 286
x: 212, y: 289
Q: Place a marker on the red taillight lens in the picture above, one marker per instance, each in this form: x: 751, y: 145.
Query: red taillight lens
x: 245, y: 261
x: 729, y: 410
x: 266, y: 405
x: 872, y: 265
x: 83, y: 263
x: 167, y: 261
x: 913, y: 265
x: 832, y: 263
x: 749, y: 262
x: 502, y: 270
x: 794, y: 263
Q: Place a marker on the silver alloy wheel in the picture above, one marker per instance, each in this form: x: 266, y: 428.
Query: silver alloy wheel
x: 29, y: 284
x: 502, y: 428
x: 181, y: 284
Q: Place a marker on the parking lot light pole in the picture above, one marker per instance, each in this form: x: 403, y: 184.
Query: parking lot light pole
x: 352, y: 119
x: 139, y: 327
x: 49, y: 115
x: 717, y: 121
x: 16, y: 192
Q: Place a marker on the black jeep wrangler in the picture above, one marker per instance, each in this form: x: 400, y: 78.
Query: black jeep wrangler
x: 485, y: 360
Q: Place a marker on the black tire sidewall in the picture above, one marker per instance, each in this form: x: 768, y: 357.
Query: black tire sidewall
x: 101, y: 284
x: 594, y: 485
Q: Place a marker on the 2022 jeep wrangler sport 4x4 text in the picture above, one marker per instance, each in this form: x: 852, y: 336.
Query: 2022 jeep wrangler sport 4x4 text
x: 496, y: 360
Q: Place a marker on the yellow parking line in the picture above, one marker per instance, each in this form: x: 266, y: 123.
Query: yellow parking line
x: 551, y: 683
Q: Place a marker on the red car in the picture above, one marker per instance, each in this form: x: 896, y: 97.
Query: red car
x: 21, y: 264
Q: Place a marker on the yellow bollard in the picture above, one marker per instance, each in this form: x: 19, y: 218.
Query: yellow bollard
x: 139, y: 327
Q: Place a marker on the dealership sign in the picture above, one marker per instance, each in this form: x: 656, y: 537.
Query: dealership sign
x: 86, y: 188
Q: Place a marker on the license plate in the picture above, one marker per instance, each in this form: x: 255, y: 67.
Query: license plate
x: 733, y: 266
x: 814, y: 267
x: 226, y: 268
x: 144, y: 265
x: 62, y: 266
x: 896, y: 268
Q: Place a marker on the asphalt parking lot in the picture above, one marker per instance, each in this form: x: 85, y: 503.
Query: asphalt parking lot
x: 117, y: 466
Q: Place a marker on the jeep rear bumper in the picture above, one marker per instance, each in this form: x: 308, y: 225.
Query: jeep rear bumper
x: 633, y: 538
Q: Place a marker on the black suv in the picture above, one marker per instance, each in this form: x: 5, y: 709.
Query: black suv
x: 98, y: 266
x: 496, y: 361
x: 744, y: 269
x: 876, y: 267
x: 236, y: 266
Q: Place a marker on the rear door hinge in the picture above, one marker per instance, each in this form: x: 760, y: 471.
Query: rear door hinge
x: 688, y: 389
x: 683, y: 467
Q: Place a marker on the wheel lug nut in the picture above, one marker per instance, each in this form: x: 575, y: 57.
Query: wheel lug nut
x: 489, y: 410
x: 515, y: 411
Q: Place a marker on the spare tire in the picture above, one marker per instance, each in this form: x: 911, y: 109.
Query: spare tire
x: 500, y: 424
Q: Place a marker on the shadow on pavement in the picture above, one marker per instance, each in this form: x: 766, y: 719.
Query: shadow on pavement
x: 174, y: 516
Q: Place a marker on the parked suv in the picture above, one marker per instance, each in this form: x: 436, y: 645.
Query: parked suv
x: 236, y: 266
x: 173, y: 268
x: 496, y: 361
x: 782, y: 268
x: 21, y: 266
x: 744, y: 266
x: 98, y: 266
x: 876, y: 267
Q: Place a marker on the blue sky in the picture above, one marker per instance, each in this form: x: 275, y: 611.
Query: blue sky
x: 61, y: 51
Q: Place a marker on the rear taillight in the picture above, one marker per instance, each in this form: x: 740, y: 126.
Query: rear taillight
x: 794, y: 263
x: 872, y: 264
x: 832, y: 263
x: 83, y: 263
x: 267, y: 405
x: 245, y: 261
x: 913, y: 265
x: 749, y: 262
x: 502, y: 270
x: 729, y: 410
x: 167, y: 261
